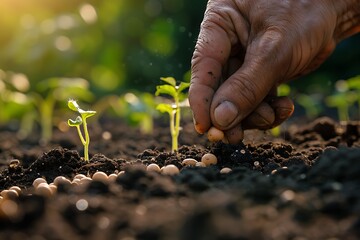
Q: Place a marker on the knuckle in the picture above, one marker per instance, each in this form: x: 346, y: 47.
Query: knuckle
x: 246, y: 88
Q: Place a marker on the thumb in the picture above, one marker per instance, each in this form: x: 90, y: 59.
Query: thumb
x: 263, y: 68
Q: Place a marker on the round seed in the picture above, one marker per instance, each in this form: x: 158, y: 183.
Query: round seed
x: 189, y: 162
x: 79, y: 176
x: 100, y: 176
x: 215, y: 134
x: 170, y: 170
x: 225, y: 170
x: 112, y: 177
x: 16, y: 188
x: 61, y: 180
x: 200, y: 164
x: 38, y: 181
x: 153, y: 167
x: 9, y: 194
x: 209, y: 159
x: 44, y: 190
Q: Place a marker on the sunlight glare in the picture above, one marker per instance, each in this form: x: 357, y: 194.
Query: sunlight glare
x: 88, y: 13
x: 62, y: 43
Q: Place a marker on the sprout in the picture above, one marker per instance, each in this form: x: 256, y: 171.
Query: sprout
x: 81, y: 120
x: 173, y: 109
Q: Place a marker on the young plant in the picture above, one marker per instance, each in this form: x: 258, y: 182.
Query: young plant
x: 173, y: 109
x: 81, y: 120
x: 342, y: 99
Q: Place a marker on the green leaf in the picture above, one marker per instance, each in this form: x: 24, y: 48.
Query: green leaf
x: 72, y: 104
x: 354, y: 82
x: 76, y: 122
x: 87, y: 114
x: 166, y: 89
x: 169, y: 80
x: 163, y: 107
x: 183, y: 86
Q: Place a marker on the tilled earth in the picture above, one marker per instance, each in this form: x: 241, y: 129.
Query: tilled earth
x: 304, y: 185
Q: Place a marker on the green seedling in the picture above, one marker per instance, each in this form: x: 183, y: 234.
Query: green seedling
x: 173, y: 109
x: 81, y: 120
x: 342, y: 99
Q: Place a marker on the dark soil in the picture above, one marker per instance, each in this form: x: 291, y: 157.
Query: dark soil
x: 304, y: 185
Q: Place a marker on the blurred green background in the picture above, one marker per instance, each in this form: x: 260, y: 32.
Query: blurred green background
x: 118, y: 46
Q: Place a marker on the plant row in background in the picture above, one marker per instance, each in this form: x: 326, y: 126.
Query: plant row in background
x: 45, y: 106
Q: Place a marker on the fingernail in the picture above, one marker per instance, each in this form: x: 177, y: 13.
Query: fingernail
x: 225, y: 113
x: 284, y: 113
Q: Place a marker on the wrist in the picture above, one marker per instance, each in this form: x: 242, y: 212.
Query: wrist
x: 348, y: 18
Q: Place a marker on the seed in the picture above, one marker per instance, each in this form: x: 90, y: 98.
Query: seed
x: 38, y: 181
x: 200, y: 164
x: 100, y: 176
x: 225, y: 170
x: 53, y: 188
x: 61, y: 180
x: 79, y: 176
x: 112, y: 177
x: 170, y: 170
x: 44, y: 190
x: 16, y: 188
x: 75, y: 181
x: 189, y: 162
x: 85, y: 180
x: 209, y: 159
x: 215, y: 134
x: 9, y: 194
x: 153, y: 167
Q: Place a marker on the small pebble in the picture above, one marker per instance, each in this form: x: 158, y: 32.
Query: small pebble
x: 225, y: 170
x: 170, y: 170
x: 209, y: 159
x: 153, y: 167
x: 189, y: 162
x: 100, y: 176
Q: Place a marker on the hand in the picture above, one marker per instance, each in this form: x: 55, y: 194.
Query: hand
x: 245, y: 49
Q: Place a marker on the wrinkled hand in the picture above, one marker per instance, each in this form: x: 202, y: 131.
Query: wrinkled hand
x: 246, y: 48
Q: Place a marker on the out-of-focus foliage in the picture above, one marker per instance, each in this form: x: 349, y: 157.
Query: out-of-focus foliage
x: 116, y: 44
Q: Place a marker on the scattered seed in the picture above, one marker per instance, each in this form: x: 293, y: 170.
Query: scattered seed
x: 112, y: 177
x: 189, y: 162
x: 38, y: 181
x: 209, y: 159
x: 9, y: 208
x: 256, y: 163
x: 170, y: 170
x: 121, y: 172
x: 9, y: 194
x: 79, y: 176
x: 153, y: 167
x: 16, y: 188
x: 200, y: 164
x: 100, y: 176
x: 225, y: 170
x: 44, y: 190
x: 215, y: 134
x: 85, y: 180
x: 53, y: 188
x: 61, y: 180
x: 76, y: 181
